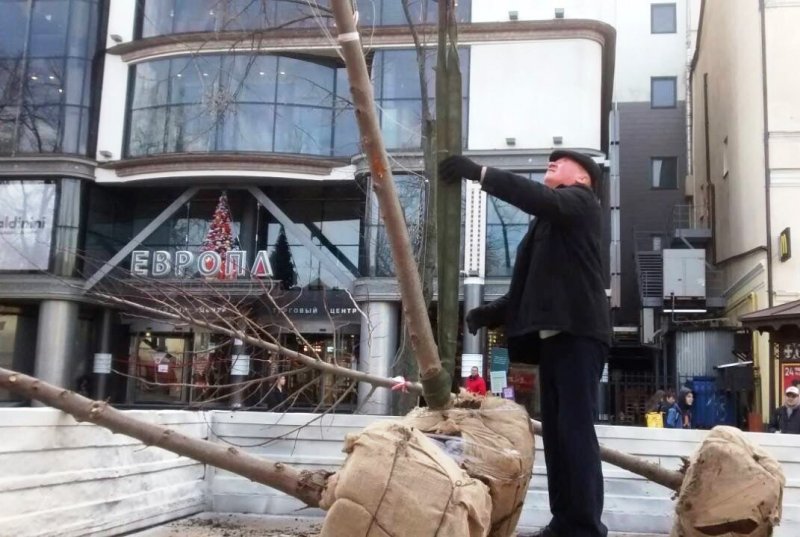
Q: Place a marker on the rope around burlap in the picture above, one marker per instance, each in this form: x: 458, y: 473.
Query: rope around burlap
x: 457, y: 484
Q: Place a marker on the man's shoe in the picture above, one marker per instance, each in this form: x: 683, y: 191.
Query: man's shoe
x: 544, y: 532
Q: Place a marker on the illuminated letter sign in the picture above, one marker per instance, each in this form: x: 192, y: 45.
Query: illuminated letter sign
x: 185, y: 264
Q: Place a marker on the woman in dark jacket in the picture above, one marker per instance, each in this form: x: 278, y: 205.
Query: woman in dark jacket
x: 277, y: 394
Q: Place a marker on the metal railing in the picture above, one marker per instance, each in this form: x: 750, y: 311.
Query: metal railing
x: 686, y: 217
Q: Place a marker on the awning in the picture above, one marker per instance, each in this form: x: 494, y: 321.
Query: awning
x: 785, y: 316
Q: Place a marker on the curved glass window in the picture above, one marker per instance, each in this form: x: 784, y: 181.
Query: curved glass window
x: 46, y: 51
x: 163, y: 17
x: 240, y: 103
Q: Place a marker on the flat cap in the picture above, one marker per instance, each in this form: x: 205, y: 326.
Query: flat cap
x: 587, y: 162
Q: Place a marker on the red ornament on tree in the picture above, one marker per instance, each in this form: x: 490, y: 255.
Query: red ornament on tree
x: 220, y: 238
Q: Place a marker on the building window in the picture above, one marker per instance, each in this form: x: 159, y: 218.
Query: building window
x: 46, y: 52
x: 663, y: 92
x: 411, y: 191
x: 663, y: 19
x: 505, y: 227
x: 163, y: 17
x: 664, y: 173
x: 244, y: 103
x: 657, y: 243
x: 395, y: 74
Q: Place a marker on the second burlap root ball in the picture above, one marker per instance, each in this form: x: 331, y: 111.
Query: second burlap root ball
x: 732, y: 488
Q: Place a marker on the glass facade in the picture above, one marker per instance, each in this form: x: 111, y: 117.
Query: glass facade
x: 163, y: 17
x: 505, y: 227
x: 242, y: 103
x: 329, y: 216
x: 391, y: 13
x: 398, y: 95
x: 40, y: 226
x: 46, y: 53
x: 17, y: 331
x: 412, y: 192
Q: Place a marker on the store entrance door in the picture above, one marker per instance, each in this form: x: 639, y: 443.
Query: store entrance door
x: 159, y: 369
x: 313, y: 389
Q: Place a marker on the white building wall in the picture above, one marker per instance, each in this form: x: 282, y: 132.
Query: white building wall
x: 640, y: 54
x: 111, y: 128
x: 730, y: 56
x: 783, y: 109
x: 533, y: 91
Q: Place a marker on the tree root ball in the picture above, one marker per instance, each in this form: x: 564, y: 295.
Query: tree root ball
x: 461, y: 471
x: 732, y: 488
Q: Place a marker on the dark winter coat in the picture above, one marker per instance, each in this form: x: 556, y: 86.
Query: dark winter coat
x: 557, y: 282
x: 782, y: 422
x: 275, y: 397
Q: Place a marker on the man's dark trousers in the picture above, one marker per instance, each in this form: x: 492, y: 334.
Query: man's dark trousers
x: 570, y: 369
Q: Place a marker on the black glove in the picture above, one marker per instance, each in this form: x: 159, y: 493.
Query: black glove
x: 475, y: 320
x: 453, y: 169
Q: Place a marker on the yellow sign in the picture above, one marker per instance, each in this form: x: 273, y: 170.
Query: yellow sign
x: 786, y: 245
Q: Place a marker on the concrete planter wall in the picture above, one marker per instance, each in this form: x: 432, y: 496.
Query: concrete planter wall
x: 58, y: 477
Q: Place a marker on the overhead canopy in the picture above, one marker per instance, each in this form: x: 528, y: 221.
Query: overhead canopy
x: 785, y: 317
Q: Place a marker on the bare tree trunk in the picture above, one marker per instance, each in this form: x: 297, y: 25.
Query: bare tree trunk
x: 406, y: 364
x: 448, y: 198
x: 435, y: 380
x: 304, y: 485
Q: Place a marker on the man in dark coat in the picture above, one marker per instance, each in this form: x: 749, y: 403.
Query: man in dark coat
x: 556, y: 314
x: 786, y: 418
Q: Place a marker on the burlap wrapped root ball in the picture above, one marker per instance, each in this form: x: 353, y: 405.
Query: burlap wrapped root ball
x: 396, y: 482
x: 497, y: 447
x: 732, y: 488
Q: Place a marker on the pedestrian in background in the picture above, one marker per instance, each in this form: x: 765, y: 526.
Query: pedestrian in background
x: 786, y: 418
x: 679, y: 415
x: 475, y: 383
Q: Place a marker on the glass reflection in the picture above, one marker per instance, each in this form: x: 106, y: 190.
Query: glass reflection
x: 162, y: 17
x: 240, y: 103
x: 505, y: 227
x: 398, y: 95
x: 46, y: 50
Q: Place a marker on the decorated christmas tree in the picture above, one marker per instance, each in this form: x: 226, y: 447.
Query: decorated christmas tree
x: 220, y: 237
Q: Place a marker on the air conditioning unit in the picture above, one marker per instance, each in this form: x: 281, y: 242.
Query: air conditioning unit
x: 684, y: 274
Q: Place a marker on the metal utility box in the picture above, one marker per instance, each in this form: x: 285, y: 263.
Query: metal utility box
x: 685, y: 273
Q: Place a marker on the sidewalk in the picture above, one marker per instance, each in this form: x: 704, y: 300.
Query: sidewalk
x: 238, y: 525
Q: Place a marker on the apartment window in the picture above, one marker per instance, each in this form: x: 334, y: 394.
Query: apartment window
x: 663, y: 92
x: 663, y: 19
x: 664, y: 173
